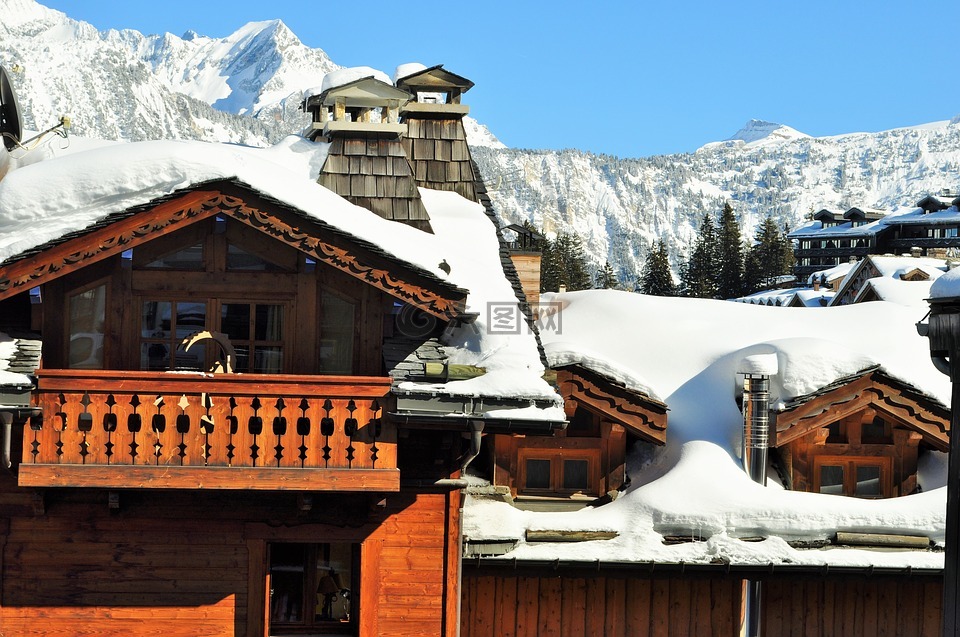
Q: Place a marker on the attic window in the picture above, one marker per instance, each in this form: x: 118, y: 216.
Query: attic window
x: 189, y: 258
x: 559, y: 472
x: 857, y: 476
x: 239, y: 259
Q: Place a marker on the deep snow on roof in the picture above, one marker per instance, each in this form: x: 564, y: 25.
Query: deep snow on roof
x: 919, y: 217
x: 43, y: 201
x: 689, y: 351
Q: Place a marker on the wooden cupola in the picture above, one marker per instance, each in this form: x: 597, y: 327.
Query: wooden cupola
x: 367, y: 163
x: 436, y: 141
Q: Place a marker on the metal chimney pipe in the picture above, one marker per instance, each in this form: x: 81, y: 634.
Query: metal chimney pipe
x: 756, y: 371
x: 756, y: 426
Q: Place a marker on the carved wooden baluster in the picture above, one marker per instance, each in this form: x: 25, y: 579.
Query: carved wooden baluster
x: 62, y: 414
x: 376, y: 428
x: 255, y: 424
x: 183, y: 426
x: 279, y: 430
x: 350, y: 429
x: 109, y: 426
x: 303, y: 429
x: 134, y: 425
x: 234, y: 426
x: 159, y: 425
x: 206, y: 424
x: 36, y: 425
x: 85, y: 425
x: 326, y: 430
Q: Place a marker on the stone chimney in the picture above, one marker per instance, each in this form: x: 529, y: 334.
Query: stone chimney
x: 357, y: 111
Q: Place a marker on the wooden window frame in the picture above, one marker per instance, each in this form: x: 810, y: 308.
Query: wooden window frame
x: 850, y: 464
x: 556, y: 458
x: 105, y: 282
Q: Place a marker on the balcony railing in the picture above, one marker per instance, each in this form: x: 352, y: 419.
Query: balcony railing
x: 200, y: 431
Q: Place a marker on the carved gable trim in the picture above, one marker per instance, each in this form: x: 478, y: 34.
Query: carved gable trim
x: 127, y: 231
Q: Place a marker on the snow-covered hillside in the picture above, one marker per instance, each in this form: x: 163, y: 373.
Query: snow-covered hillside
x: 247, y: 88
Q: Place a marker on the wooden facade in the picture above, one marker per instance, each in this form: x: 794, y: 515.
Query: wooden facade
x: 859, y: 437
x: 587, y: 460
x: 599, y: 605
x: 624, y: 601
x: 282, y: 500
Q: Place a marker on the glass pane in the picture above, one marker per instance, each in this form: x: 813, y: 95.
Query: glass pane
x: 336, y: 334
x: 191, y: 317
x: 155, y: 321
x: 87, y: 318
x: 240, y: 259
x: 242, y: 362
x: 235, y: 321
x: 868, y: 482
x: 575, y: 475
x: 269, y: 323
x: 186, y: 259
x: 287, y: 582
x: 268, y: 360
x: 192, y: 360
x: 538, y: 474
x: 334, y: 563
x: 154, y: 356
x: 831, y: 479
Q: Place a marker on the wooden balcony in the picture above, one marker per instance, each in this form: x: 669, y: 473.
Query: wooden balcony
x: 110, y: 429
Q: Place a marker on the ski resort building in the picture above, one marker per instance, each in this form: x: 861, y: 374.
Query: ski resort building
x: 303, y: 390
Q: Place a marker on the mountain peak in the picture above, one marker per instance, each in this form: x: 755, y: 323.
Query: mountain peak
x: 757, y: 129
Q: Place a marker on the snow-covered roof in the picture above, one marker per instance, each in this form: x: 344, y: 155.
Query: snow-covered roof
x: 913, y: 293
x: 832, y: 274
x: 689, y: 351
x: 787, y: 296
x: 342, y: 77
x: 919, y: 217
x: 815, y: 229
x: 44, y: 201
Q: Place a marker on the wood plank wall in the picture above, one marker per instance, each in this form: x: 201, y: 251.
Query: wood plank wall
x: 177, y: 564
x: 853, y: 607
x: 516, y: 606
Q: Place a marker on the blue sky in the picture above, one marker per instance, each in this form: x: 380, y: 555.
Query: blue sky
x: 629, y: 78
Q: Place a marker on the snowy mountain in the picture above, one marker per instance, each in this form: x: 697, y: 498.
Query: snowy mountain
x: 247, y: 87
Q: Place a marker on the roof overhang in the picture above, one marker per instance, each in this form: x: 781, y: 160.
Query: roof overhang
x: 894, y: 399
x: 314, y: 237
x: 638, y: 413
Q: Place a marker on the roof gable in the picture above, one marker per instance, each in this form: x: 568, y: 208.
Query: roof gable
x: 435, y: 77
x: 640, y: 414
x: 899, y: 401
x: 321, y: 241
x: 366, y: 91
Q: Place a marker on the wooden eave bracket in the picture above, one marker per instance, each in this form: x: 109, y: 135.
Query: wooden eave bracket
x: 871, y: 390
x: 437, y: 298
x: 620, y: 406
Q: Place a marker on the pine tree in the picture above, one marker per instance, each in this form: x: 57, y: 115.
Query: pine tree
x: 606, y: 278
x: 698, y: 275
x: 769, y: 258
x: 730, y: 252
x: 657, y: 278
x: 563, y: 263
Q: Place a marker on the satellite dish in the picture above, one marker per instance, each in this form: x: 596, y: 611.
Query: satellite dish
x: 11, y: 122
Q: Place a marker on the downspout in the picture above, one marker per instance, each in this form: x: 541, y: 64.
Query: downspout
x: 756, y: 371
x: 476, y: 435
x: 6, y: 423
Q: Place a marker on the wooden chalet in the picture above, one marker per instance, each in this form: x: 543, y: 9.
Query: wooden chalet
x: 858, y: 437
x: 586, y: 460
x: 911, y: 269
x: 234, y: 429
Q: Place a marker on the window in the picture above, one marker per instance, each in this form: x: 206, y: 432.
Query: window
x: 190, y: 258
x: 561, y: 472
x: 163, y: 325
x: 337, y: 330
x: 256, y: 332
x: 87, y: 316
x: 313, y: 588
x: 858, y: 476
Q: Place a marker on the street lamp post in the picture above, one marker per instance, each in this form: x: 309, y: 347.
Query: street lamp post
x: 943, y: 332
